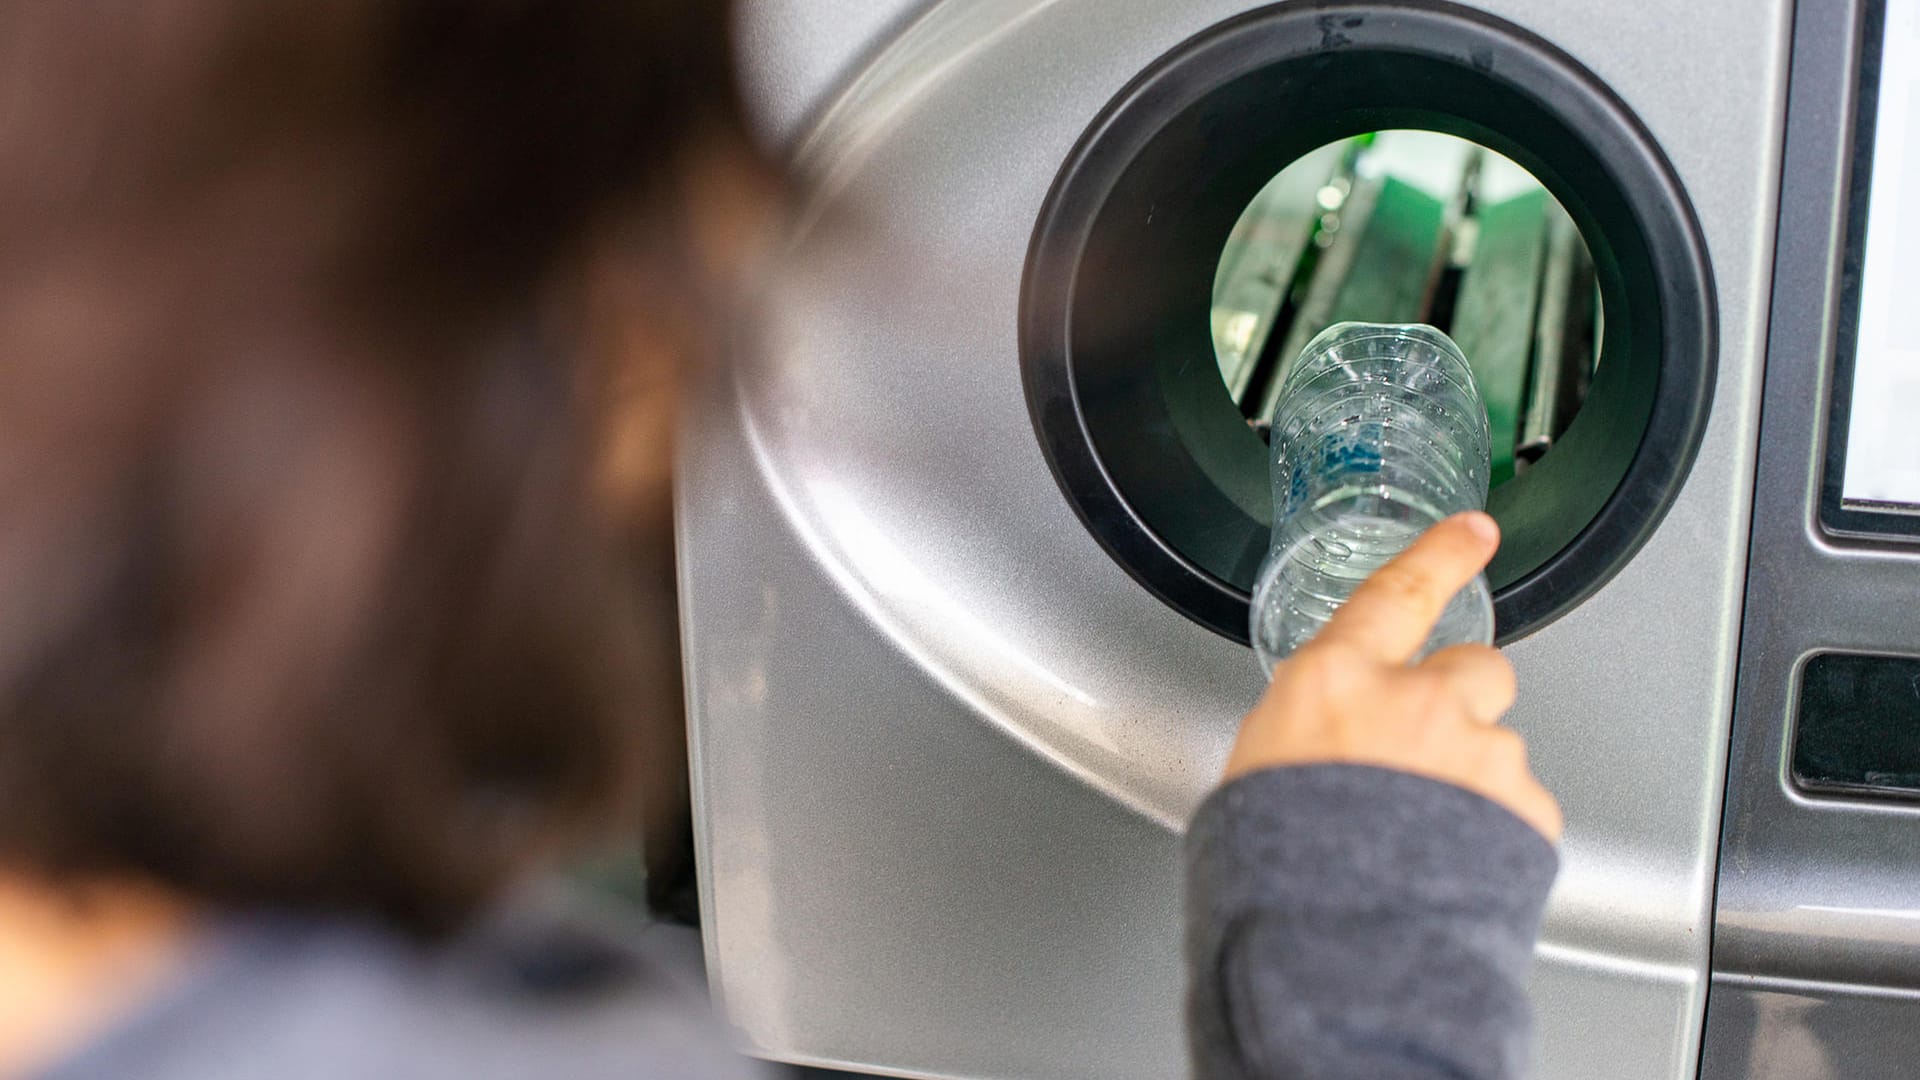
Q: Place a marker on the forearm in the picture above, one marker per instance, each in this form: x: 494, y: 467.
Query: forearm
x: 1347, y: 921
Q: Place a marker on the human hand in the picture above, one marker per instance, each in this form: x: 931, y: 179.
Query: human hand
x: 1350, y: 696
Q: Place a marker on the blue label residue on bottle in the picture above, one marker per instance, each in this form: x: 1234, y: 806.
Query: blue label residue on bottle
x: 1338, y: 456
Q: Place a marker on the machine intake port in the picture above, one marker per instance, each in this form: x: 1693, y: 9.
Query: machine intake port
x: 1417, y: 162
x: 1412, y: 226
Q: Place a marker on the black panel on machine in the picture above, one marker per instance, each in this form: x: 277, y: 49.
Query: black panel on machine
x: 1857, y: 728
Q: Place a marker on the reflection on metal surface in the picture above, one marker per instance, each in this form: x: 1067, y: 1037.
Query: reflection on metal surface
x: 1120, y: 748
x: 906, y: 589
x: 1785, y: 1043
x: 1594, y: 960
x: 792, y: 58
x: 1774, y: 1029
x: 1904, y: 914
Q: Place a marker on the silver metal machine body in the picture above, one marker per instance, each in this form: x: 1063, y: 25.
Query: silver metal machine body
x: 944, y: 746
x: 1816, y: 954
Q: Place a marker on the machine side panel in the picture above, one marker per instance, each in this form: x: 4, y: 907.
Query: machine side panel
x: 1816, y: 952
x: 945, y: 745
x: 887, y: 878
x: 1783, y: 1029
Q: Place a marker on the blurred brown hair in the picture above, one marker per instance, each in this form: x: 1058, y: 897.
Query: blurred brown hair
x: 300, y: 601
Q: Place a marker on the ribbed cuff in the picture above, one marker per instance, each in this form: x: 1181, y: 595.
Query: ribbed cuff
x: 1368, y: 839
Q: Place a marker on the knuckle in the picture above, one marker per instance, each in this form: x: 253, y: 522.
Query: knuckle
x: 1489, y: 678
x: 1428, y: 689
x: 1430, y: 697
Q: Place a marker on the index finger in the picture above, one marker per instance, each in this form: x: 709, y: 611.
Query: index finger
x: 1390, y: 615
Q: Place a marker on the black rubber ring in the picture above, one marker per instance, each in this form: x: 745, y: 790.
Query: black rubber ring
x: 1115, y: 356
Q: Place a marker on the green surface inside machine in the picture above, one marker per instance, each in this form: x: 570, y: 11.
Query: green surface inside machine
x: 1416, y: 226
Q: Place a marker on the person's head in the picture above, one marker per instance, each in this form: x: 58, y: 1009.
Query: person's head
x: 314, y: 319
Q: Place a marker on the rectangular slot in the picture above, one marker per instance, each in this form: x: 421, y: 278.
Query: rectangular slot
x: 1857, y: 725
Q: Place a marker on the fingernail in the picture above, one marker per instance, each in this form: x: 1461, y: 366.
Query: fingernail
x: 1483, y: 526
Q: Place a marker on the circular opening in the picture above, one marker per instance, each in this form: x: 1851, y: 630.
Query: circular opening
x: 1147, y: 439
x: 1412, y: 226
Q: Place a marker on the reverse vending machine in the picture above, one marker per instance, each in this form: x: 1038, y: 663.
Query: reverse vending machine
x: 967, y: 529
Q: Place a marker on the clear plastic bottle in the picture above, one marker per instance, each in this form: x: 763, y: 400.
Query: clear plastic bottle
x: 1379, y: 433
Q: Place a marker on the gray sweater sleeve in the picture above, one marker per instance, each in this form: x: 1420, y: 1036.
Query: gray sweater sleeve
x: 1348, y: 921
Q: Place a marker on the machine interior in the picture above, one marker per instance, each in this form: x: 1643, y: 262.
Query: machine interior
x: 1416, y: 226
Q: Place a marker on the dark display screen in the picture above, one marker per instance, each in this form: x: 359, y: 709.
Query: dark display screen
x: 1858, y: 725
